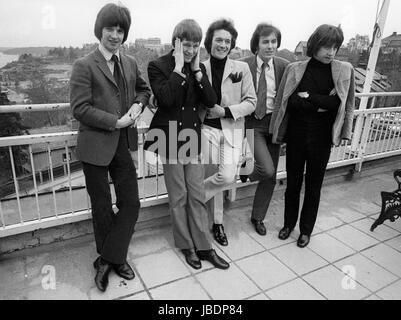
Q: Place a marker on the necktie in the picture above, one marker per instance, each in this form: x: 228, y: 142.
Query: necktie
x: 260, y: 111
x: 118, y: 76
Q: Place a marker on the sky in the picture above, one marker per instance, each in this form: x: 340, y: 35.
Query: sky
x: 70, y: 23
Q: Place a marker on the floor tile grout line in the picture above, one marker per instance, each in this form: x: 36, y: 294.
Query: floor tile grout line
x: 370, y: 246
x: 260, y: 288
x: 318, y: 269
x: 302, y: 279
x: 387, y: 286
x: 370, y: 232
x: 356, y: 280
x: 384, y: 267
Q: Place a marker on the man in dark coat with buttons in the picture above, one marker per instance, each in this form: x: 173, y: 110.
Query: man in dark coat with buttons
x: 181, y: 88
x: 107, y: 95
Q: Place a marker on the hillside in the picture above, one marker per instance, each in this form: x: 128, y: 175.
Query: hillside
x: 2, y: 49
x: 35, y: 51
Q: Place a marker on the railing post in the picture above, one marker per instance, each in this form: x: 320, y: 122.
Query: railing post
x: 364, y: 139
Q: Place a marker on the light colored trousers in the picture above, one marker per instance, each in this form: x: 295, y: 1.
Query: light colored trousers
x: 190, y: 219
x: 221, y: 167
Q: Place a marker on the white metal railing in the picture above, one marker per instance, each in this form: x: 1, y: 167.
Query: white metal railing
x: 56, y: 195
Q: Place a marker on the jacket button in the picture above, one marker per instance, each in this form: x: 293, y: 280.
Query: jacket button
x: 180, y: 124
x: 194, y: 109
x: 194, y: 124
x: 182, y: 108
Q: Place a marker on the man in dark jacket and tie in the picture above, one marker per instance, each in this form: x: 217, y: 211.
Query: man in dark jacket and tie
x: 267, y: 70
x: 107, y: 95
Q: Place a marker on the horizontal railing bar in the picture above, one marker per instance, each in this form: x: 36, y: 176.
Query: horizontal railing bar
x: 378, y: 110
x: 377, y: 94
x: 34, y: 107
x: 69, y: 136
x: 38, y: 138
x: 65, y: 106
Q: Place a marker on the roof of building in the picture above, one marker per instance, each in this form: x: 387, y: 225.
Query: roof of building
x: 379, y: 84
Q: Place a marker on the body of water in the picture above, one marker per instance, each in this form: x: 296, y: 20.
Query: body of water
x: 6, y: 58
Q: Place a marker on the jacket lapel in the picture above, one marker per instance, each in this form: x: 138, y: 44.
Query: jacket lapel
x: 208, y: 70
x: 127, y: 72
x: 102, y: 64
x: 300, y: 71
x: 253, y: 66
x: 227, y: 69
x: 126, y: 67
x: 293, y: 82
x: 278, y: 71
x: 336, y: 71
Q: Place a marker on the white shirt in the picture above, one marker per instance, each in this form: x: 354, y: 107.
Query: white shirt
x: 270, y: 82
x: 107, y: 55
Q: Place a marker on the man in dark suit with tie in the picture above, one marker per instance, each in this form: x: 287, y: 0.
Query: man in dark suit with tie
x: 267, y: 71
x: 107, y: 95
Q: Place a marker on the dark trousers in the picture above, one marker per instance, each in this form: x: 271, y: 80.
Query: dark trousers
x: 267, y: 156
x: 113, y: 232
x: 315, y: 155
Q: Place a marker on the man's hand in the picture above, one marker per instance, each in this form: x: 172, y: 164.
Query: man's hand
x: 135, y: 111
x: 125, y: 121
x: 195, y: 62
x: 178, y: 55
x: 303, y: 95
x: 216, y: 112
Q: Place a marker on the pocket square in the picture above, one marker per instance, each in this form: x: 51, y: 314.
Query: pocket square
x: 235, y: 77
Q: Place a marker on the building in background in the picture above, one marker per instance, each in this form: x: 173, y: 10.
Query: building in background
x: 392, y: 44
x: 358, y: 44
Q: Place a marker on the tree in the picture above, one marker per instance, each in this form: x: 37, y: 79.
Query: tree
x: 11, y: 125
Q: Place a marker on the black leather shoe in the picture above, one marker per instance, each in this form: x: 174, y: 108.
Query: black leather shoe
x: 219, y: 235
x: 103, y: 269
x: 213, y: 258
x: 259, y: 226
x: 303, y: 240
x: 284, y: 233
x: 191, y: 258
x: 124, y: 271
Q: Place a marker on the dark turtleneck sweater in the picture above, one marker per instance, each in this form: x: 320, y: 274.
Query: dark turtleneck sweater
x: 318, y: 82
x: 305, y: 120
x: 217, y: 67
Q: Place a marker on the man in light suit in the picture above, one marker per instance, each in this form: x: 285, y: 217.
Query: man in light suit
x: 267, y: 70
x: 223, y: 127
x: 107, y: 95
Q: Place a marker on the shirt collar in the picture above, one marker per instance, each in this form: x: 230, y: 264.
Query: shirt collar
x: 260, y: 62
x: 107, y: 54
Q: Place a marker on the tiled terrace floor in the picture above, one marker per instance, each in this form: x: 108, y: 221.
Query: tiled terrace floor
x: 262, y: 268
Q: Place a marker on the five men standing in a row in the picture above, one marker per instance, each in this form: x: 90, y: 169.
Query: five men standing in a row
x: 208, y: 106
